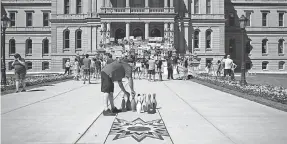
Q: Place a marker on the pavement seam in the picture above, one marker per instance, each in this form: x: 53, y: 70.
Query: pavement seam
x: 165, y: 125
x: 199, y: 113
x: 97, y: 119
x: 42, y: 100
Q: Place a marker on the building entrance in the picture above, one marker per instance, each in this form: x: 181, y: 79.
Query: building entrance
x: 120, y: 34
x: 138, y: 33
x: 155, y: 33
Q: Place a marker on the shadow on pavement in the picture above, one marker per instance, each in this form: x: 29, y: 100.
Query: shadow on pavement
x: 36, y: 90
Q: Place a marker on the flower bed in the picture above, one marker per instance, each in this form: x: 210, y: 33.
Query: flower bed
x: 35, y: 80
x: 277, y: 94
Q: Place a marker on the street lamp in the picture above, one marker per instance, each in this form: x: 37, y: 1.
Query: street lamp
x: 5, y: 21
x: 243, y: 20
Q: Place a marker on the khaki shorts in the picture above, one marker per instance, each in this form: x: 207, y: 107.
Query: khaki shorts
x: 20, y: 75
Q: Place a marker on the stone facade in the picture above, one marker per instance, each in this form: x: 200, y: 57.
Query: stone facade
x: 206, y: 27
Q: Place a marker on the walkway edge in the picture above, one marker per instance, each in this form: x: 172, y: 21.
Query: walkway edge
x: 78, y: 139
x: 256, y: 99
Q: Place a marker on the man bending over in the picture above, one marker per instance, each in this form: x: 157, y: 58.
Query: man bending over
x: 112, y: 72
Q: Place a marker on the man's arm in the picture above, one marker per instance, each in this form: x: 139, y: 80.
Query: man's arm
x: 121, y: 85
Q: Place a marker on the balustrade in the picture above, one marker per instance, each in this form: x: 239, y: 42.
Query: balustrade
x: 10, y: 29
x: 137, y: 10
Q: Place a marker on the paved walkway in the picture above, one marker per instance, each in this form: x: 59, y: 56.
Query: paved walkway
x: 187, y: 113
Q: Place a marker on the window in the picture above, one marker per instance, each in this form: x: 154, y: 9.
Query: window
x: 196, y: 6
x: 248, y: 47
x: 248, y: 16
x: 281, y: 19
x: 231, y: 19
x: 28, y: 46
x: 281, y: 65
x: 45, y: 19
x: 231, y: 45
x: 264, y: 65
x: 45, y: 65
x: 29, y: 65
x: 10, y: 67
x: 208, y: 39
x: 281, y: 46
x: 208, y: 7
x: 66, y: 39
x: 45, y: 46
x: 264, y: 46
x: 79, y: 7
x: 13, y: 19
x: 78, y: 39
x: 29, y: 19
x: 66, y: 6
x: 196, y: 39
x: 264, y: 19
x: 12, y: 46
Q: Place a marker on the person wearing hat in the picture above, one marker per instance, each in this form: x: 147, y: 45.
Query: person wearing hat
x: 112, y: 72
x: 20, y: 71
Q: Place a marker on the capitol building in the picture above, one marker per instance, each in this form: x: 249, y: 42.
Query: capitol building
x: 48, y: 32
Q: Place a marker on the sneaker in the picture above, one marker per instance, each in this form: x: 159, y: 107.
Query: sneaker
x: 115, y: 110
x: 108, y: 113
x: 16, y: 91
x: 23, y: 90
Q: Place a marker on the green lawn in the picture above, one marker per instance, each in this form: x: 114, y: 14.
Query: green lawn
x: 267, y: 79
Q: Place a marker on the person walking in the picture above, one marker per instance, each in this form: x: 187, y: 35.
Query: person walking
x: 86, y: 68
x: 185, y: 68
x: 76, y: 69
x: 151, y: 70
x: 227, y: 66
x: 67, y: 67
x: 20, y: 71
x: 169, y: 68
x: 93, y: 67
x: 112, y: 72
x: 98, y: 64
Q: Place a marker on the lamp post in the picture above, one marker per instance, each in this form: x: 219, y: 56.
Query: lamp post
x: 243, y: 20
x: 5, y: 21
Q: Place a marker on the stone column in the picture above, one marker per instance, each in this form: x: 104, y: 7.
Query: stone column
x: 165, y: 6
x: 146, y: 30
x: 186, y: 2
x: 186, y: 25
x: 171, y: 9
x: 103, y: 3
x: 165, y: 31
x: 95, y: 7
x: 108, y: 32
x: 171, y: 3
x: 146, y: 3
x: 103, y: 33
x: 90, y: 6
x: 172, y: 32
x: 128, y: 31
x: 127, y: 3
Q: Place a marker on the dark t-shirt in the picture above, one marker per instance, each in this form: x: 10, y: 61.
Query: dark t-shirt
x: 169, y: 64
x: 86, y: 63
x: 98, y: 64
x: 185, y: 64
x: 19, y: 68
x: 118, y: 70
x: 109, y: 60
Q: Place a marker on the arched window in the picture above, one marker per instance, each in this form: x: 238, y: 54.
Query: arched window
x: 45, y: 46
x: 264, y: 65
x: 208, y: 39
x: 281, y: 46
x: 45, y: 65
x: 66, y: 39
x: 196, y: 39
x: 79, y: 7
x: 12, y: 46
x: 28, y: 47
x: 264, y: 46
x: 66, y: 6
x: 281, y: 65
x: 78, y: 39
x: 29, y: 65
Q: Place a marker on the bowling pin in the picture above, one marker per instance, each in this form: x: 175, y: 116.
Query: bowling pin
x: 128, y: 105
x: 149, y: 104
x: 123, y: 104
x: 139, y: 105
x: 144, y: 103
x: 133, y: 104
x: 154, y: 103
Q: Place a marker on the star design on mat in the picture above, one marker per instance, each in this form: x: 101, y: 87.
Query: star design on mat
x: 138, y: 129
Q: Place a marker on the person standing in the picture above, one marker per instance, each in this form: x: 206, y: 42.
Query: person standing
x: 169, y: 68
x: 20, y: 71
x: 151, y: 70
x: 159, y: 65
x: 185, y: 69
x: 98, y: 64
x: 228, y: 63
x: 86, y: 68
x: 76, y: 69
x: 110, y: 59
x: 67, y: 67
x: 112, y: 72
x: 93, y: 67
x: 219, y: 68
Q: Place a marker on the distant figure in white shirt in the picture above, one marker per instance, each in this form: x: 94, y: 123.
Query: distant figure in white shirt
x: 228, y: 64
